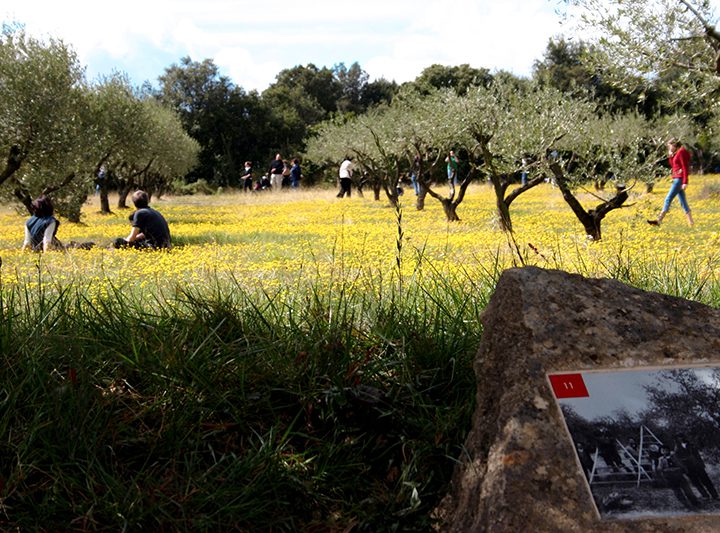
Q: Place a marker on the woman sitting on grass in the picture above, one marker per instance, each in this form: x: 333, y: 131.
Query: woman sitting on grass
x: 41, y: 227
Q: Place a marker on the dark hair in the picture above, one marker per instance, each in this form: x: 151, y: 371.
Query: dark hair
x: 140, y: 199
x: 42, y: 206
x: 296, y: 161
x: 248, y: 163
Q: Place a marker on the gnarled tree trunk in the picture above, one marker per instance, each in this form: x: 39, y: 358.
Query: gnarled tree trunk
x: 592, y: 219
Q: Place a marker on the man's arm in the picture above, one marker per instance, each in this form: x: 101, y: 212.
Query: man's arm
x: 134, y: 235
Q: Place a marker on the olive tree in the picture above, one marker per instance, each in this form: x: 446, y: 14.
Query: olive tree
x: 165, y: 152
x: 171, y: 151
x: 371, y: 139
x: 506, y: 128
x: 43, y: 116
x: 118, y: 130
x: 674, y: 40
x: 426, y: 130
x: 620, y: 149
x: 388, y: 140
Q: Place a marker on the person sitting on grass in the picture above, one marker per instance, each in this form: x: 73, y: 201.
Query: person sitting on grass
x: 149, y: 228
x: 42, y: 226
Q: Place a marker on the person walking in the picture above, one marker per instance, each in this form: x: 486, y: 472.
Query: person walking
x: 415, y: 174
x: 679, y: 159
x: 345, y: 175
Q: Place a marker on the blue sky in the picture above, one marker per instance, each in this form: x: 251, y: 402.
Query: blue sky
x: 251, y: 41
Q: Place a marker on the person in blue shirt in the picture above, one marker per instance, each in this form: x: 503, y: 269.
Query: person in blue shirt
x: 42, y: 226
x: 295, y: 174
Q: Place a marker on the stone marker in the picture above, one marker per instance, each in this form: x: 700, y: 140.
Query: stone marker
x: 520, y: 471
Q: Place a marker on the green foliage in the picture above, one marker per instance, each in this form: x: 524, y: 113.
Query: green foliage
x: 43, y: 116
x: 304, y: 96
x: 576, y: 69
x: 672, y: 41
x: 460, y: 78
x: 200, y: 186
x: 56, y: 131
x: 229, y: 125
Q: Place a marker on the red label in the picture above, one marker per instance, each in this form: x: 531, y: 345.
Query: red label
x: 569, y: 386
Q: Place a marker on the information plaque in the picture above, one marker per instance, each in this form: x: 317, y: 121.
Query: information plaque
x: 646, y: 440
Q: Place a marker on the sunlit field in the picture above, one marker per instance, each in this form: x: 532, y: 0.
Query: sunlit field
x: 270, y: 240
x: 297, y: 362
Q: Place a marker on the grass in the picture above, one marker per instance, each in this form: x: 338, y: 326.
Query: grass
x: 226, y: 410
x: 309, y: 369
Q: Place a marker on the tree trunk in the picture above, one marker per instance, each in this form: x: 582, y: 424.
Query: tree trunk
x: 500, y: 185
x: 420, y: 199
x: 450, y: 209
x: 359, y: 188
x: 504, y: 215
x: 24, y: 196
x: 592, y: 228
x: 104, y: 200
x: 377, y: 187
x: 591, y: 219
x: 122, y: 197
x: 14, y: 160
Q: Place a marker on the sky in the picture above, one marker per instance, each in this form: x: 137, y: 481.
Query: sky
x: 622, y: 390
x: 252, y: 41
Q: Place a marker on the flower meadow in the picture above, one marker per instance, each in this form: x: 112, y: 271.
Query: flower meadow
x: 297, y: 362
x: 266, y: 242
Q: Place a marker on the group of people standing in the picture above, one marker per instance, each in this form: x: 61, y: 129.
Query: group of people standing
x: 280, y: 174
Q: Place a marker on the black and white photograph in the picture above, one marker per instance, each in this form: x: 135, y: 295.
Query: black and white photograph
x: 646, y: 440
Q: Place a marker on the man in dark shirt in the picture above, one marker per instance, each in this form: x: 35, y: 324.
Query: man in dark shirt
x: 149, y: 228
x: 276, y: 172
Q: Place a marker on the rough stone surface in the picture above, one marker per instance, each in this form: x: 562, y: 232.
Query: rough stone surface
x: 519, y: 472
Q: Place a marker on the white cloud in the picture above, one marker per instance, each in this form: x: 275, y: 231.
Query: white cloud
x: 252, y: 41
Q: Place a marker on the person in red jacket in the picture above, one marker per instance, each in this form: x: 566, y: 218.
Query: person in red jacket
x: 679, y: 159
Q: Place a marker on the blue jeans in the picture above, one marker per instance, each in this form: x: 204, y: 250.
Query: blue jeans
x: 676, y: 190
x: 415, y: 184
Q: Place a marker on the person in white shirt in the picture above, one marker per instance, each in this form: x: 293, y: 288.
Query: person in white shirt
x: 346, y: 170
